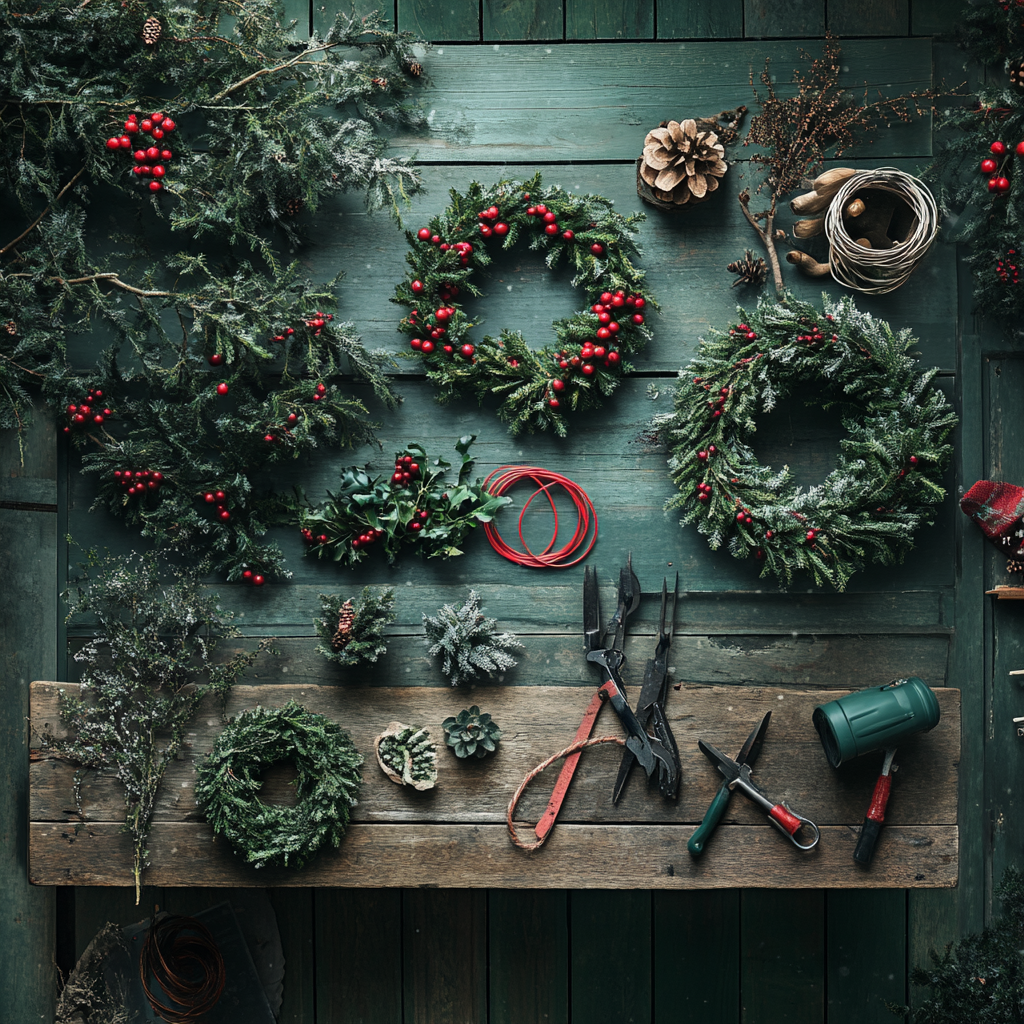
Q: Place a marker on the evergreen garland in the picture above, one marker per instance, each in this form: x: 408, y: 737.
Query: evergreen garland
x: 144, y: 676
x: 534, y: 388
x: 363, y: 642
x: 888, y: 476
x: 328, y: 781
x: 415, y: 506
x: 980, y: 162
x: 467, y: 642
x: 980, y: 978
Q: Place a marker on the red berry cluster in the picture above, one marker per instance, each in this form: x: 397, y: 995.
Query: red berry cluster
x: 493, y: 226
x: 315, y: 323
x: 87, y: 413
x: 1006, y: 269
x: 256, y: 579
x: 996, y: 170
x: 218, y: 498
x: 311, y: 540
x: 744, y: 516
x: 464, y: 249
x: 435, y: 325
x: 152, y: 161
x: 703, y: 491
x: 405, y: 470
x: 551, y: 227
x: 744, y: 329
x: 139, y: 482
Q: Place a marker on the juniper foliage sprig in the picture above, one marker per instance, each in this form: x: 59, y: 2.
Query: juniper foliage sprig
x: 888, y: 476
x: 366, y: 640
x: 416, y: 505
x: 467, y: 642
x: 823, y: 119
x: 262, y: 114
x: 980, y: 978
x: 534, y: 388
x: 990, y: 221
x: 143, y: 677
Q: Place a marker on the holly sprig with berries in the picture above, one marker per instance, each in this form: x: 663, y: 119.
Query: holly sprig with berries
x: 888, y: 476
x: 981, y: 162
x: 185, y: 440
x: 415, y: 506
x: 534, y: 387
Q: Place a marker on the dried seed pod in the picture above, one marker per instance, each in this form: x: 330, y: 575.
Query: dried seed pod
x: 407, y: 756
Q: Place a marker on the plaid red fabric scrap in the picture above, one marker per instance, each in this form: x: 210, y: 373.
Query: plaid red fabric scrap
x: 998, y: 509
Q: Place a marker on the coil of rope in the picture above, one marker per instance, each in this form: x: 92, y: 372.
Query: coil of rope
x: 584, y: 535
x: 183, y: 959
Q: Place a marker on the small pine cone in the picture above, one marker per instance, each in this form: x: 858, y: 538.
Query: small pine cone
x: 1017, y: 73
x: 11, y: 327
x: 748, y: 269
x: 343, y: 634
x: 293, y: 207
x: 411, y: 66
x: 151, y: 31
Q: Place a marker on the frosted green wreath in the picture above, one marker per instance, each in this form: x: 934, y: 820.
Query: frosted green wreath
x: 229, y: 781
x: 888, y: 476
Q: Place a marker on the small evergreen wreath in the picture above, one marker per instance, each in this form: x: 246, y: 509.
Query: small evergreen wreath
x: 534, y: 387
x: 888, y: 474
x: 228, y: 784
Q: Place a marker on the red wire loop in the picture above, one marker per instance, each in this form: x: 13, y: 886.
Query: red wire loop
x: 504, y: 479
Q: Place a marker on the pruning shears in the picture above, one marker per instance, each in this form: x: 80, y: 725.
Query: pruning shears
x: 737, y: 776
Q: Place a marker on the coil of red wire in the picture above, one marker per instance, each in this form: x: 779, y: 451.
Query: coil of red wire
x: 583, y: 538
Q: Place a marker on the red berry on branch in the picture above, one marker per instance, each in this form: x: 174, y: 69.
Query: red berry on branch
x: 269, y: 438
x: 258, y: 580
x: 558, y: 384
x: 988, y: 165
x: 247, y: 574
x: 551, y: 229
x: 216, y: 359
x: 1019, y: 148
x: 568, y: 235
x: 146, y: 125
x: 166, y: 154
x: 587, y: 369
x: 540, y: 209
x: 427, y: 347
x: 222, y: 388
x: 613, y: 358
x: 224, y: 515
x: 139, y: 156
x: 423, y: 234
x: 416, y: 344
x: 467, y: 350
x: 913, y: 460
x: 435, y: 239
x: 220, y: 495
x: 638, y: 318
x: 501, y: 228
x: 156, y: 118
x: 492, y: 212
x: 1002, y: 184
x: 613, y: 326
x: 639, y: 303
x: 153, y: 153
x: 999, y: 148
x: 321, y: 389
x: 157, y: 133
x: 158, y: 171
x: 209, y: 497
x: 618, y: 299
x: 168, y: 125
x: 417, y: 286
x: 131, y: 127
x: 597, y: 249
x: 603, y: 333
x: 155, y: 186
x: 606, y: 298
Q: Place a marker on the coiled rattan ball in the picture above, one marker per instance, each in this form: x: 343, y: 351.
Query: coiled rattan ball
x: 871, y: 270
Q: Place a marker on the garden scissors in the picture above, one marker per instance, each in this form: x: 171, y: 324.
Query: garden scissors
x: 650, y: 708
x: 737, y: 776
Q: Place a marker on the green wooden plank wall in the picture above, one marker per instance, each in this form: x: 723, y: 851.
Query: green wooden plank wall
x: 577, y: 110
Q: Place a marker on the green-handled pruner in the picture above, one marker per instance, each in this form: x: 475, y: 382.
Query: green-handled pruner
x: 747, y: 755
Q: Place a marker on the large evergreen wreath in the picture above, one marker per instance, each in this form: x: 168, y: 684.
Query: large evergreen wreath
x: 888, y: 475
x: 229, y: 781
x: 534, y: 387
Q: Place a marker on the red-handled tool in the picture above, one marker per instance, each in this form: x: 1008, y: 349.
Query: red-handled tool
x: 784, y: 818
x: 547, y: 820
x: 865, y: 848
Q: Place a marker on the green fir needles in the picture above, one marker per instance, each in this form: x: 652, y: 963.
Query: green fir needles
x: 467, y: 642
x: 228, y: 784
x: 352, y: 633
x: 144, y: 676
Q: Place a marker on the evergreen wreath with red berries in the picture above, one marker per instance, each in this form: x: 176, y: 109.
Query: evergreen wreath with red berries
x: 888, y: 475
x: 534, y: 387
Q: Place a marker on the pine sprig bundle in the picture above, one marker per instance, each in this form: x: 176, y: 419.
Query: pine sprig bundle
x: 416, y: 505
x: 533, y: 388
x: 262, y: 116
x: 467, y: 642
x: 363, y: 641
x: 195, y: 430
x: 979, y: 164
x: 143, y: 678
x: 888, y: 476
x: 980, y: 978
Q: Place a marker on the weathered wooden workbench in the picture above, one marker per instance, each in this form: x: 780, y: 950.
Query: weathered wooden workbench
x: 570, y: 91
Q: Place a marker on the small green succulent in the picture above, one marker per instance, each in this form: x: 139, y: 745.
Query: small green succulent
x: 471, y: 733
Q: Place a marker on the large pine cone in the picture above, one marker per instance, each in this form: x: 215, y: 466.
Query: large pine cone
x: 152, y: 30
x: 681, y: 164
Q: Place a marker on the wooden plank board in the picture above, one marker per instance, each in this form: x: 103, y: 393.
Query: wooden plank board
x: 609, y: 19
x: 537, y: 722
x: 440, y: 19
x: 512, y: 20
x: 696, y: 19
x: 869, y: 17
x: 601, y: 108
x: 768, y: 19
x: 471, y: 798
x: 481, y: 856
